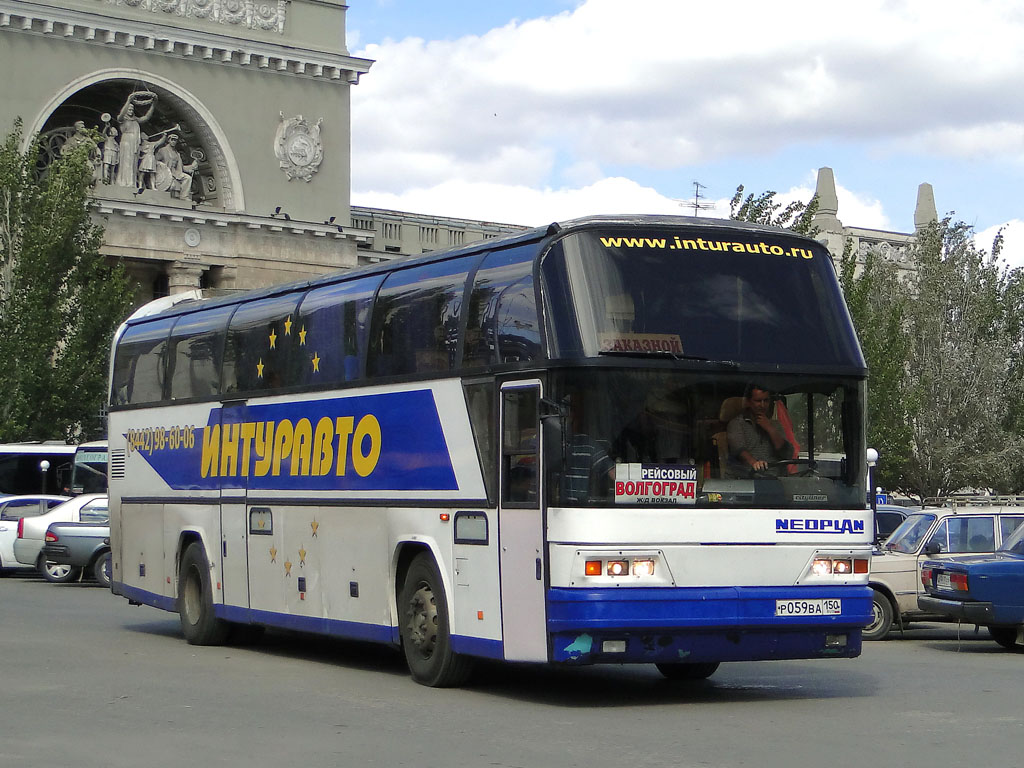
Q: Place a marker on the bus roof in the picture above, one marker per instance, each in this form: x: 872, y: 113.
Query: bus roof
x: 537, y: 235
x: 36, y: 448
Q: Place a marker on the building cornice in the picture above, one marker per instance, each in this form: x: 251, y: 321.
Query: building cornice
x: 199, y: 216
x: 153, y: 38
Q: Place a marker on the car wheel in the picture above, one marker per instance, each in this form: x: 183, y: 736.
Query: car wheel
x: 679, y: 671
x: 101, y: 570
x: 1005, y: 636
x: 426, y: 632
x: 58, y: 573
x: 881, y: 617
x: 195, y: 600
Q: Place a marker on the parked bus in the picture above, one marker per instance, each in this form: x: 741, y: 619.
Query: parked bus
x: 89, y: 470
x: 512, y: 450
x: 22, y: 468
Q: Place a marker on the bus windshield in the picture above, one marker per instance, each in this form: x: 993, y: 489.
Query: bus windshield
x: 751, y: 297
x: 89, y: 472
x: 615, y: 434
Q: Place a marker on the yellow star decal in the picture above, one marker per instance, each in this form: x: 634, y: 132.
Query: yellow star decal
x: 261, y: 524
x: 316, y: 363
x: 287, y: 568
x: 314, y: 525
x: 273, y: 339
x: 259, y: 368
x: 288, y: 326
x: 302, y: 337
x: 273, y: 554
x: 302, y: 556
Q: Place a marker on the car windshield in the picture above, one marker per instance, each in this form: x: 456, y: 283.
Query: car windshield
x: 1014, y: 544
x: 909, y: 536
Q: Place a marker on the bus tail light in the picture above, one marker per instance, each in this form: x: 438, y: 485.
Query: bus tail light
x: 594, y: 568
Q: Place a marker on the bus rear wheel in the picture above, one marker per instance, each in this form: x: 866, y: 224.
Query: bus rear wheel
x: 426, y: 630
x: 195, y: 602
x: 696, y: 671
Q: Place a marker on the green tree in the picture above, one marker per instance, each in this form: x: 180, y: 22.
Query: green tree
x: 60, y: 300
x: 942, y: 343
x: 764, y: 209
x: 877, y: 301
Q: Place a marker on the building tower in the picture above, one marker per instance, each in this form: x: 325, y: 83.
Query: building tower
x: 223, y: 159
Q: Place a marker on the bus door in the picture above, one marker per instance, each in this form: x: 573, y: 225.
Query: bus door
x: 521, y: 523
x: 234, y: 524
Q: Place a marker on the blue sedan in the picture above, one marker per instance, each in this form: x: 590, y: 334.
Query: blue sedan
x: 981, y: 589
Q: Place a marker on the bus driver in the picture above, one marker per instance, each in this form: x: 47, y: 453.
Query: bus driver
x: 754, y: 438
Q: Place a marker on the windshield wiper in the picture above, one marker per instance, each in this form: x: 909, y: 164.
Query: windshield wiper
x: 666, y: 353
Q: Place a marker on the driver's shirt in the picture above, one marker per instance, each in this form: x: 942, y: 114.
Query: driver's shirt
x: 744, y: 435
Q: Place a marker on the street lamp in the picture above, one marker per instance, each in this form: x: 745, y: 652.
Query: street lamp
x: 44, y: 467
x: 872, y: 457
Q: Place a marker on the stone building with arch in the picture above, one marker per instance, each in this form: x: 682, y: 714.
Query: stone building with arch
x: 223, y: 155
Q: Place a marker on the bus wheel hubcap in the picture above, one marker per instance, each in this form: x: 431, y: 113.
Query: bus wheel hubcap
x: 422, y: 623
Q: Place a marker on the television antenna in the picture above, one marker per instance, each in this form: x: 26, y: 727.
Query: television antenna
x: 697, y: 205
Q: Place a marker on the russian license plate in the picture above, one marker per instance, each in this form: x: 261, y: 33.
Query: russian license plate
x: 819, y: 607
x: 942, y: 581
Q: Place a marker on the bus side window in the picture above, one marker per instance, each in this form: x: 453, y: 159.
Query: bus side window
x: 334, y: 320
x: 194, y: 354
x: 480, y: 400
x: 416, y: 317
x: 139, y: 364
x: 503, y: 323
x: 262, y: 341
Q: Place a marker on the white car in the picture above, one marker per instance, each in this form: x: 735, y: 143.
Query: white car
x: 12, y: 509
x: 32, y: 530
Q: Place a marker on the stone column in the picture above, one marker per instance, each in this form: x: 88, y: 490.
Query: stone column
x: 183, y: 277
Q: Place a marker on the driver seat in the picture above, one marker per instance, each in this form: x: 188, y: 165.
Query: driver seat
x: 731, y: 408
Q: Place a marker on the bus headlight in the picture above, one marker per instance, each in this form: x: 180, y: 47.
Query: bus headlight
x: 618, y: 567
x: 643, y: 567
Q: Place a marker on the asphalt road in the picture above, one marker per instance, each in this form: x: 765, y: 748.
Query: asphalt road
x: 88, y: 680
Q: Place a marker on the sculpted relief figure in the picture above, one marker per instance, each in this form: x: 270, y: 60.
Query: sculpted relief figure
x: 131, y: 120
x: 111, y: 151
x: 125, y: 155
x: 173, y: 175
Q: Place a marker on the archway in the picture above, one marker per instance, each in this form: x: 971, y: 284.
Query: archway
x: 206, y: 175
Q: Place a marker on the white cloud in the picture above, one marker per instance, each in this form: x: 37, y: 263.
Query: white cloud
x: 522, y: 204
x: 1013, y: 242
x: 651, y: 87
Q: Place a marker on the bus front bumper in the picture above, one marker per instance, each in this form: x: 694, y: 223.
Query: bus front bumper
x: 666, y: 625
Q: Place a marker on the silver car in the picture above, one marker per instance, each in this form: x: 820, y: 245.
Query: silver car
x: 963, y: 525
x: 32, y: 530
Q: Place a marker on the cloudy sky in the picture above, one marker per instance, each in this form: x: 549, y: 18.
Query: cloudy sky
x: 537, y: 110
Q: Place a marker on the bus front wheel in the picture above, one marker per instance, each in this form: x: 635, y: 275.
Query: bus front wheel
x: 195, y: 601
x: 695, y: 671
x: 426, y: 630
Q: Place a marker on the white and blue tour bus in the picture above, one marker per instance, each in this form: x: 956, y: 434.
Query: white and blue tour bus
x: 516, y: 450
